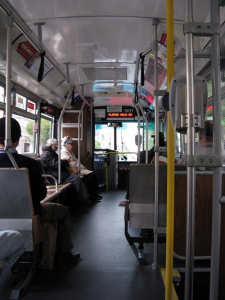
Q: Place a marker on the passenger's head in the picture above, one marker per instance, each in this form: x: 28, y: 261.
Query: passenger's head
x: 15, y: 132
x: 206, y: 134
x: 162, y: 142
x: 53, y: 143
x: 67, y: 142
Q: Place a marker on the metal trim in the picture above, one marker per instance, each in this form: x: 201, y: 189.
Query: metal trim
x: 204, y: 161
x: 201, y: 28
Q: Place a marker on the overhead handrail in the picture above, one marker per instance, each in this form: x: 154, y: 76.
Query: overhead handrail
x: 42, y: 51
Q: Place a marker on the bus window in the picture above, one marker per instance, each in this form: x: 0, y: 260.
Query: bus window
x: 151, y: 131
x: 104, y: 137
x: 1, y: 113
x: 2, y: 94
x: 45, y: 132
x: 27, y: 140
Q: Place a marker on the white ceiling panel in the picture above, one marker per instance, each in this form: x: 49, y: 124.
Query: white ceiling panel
x: 39, y: 10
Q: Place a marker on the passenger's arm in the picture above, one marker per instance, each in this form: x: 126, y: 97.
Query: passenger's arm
x: 52, y: 161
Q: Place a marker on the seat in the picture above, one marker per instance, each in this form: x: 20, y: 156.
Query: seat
x: 139, y: 213
x: 16, y: 213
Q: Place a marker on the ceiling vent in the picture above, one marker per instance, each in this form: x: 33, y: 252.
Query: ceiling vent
x: 110, y: 94
x: 115, y: 74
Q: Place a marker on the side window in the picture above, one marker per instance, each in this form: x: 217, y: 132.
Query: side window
x: 45, y: 132
x: 1, y: 113
x: 27, y: 140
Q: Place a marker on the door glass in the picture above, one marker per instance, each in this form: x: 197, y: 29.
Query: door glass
x: 126, y: 141
x: 104, y: 137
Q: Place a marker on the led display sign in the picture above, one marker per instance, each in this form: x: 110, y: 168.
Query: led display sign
x: 120, y: 115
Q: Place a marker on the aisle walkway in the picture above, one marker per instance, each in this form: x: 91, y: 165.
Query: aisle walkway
x: 108, y: 269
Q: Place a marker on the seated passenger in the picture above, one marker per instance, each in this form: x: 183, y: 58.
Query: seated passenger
x: 49, y: 159
x: 12, y: 246
x: 151, y: 156
x: 90, y: 177
x: 205, y: 146
x: 49, y: 212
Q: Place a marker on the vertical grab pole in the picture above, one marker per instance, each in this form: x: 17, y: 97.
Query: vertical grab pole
x: 170, y: 155
x: 59, y: 134
x: 9, y: 25
x: 38, y: 122
x: 138, y: 114
x: 190, y: 227
x: 79, y: 130
x: 217, y: 176
x: 156, y: 213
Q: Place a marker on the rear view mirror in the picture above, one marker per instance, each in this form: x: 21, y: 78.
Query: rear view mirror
x: 136, y: 140
x: 115, y: 124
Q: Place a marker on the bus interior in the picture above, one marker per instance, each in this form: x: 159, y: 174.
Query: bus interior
x: 111, y: 75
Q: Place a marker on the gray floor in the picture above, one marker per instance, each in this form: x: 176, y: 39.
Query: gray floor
x: 108, y: 269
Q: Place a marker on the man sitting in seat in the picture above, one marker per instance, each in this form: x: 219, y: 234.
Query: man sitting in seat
x: 12, y: 246
x: 90, y: 177
x: 49, y: 212
x: 49, y: 159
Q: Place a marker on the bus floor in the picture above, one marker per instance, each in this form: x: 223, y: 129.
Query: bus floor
x: 107, y: 270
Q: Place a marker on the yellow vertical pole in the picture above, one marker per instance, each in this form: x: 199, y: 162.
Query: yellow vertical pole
x: 170, y: 157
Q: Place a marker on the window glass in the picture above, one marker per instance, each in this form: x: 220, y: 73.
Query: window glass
x: 151, y: 131
x: 19, y: 101
x: 209, y: 87
x: 31, y: 107
x: 2, y: 94
x: 45, y: 132
x: 27, y: 140
x: 104, y: 137
x: 1, y: 113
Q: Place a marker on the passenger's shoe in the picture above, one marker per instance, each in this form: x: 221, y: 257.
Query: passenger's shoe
x: 66, y: 258
x: 122, y: 202
x: 95, y: 198
x: 98, y: 196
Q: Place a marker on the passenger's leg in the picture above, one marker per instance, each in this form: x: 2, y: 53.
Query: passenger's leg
x: 123, y: 202
x: 79, y: 187
x: 53, y: 212
x: 92, y: 184
x: 12, y: 246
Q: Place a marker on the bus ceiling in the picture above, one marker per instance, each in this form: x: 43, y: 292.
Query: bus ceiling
x: 101, y: 61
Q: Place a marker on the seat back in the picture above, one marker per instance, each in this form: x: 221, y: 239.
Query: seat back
x: 16, y: 207
x: 142, y: 195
